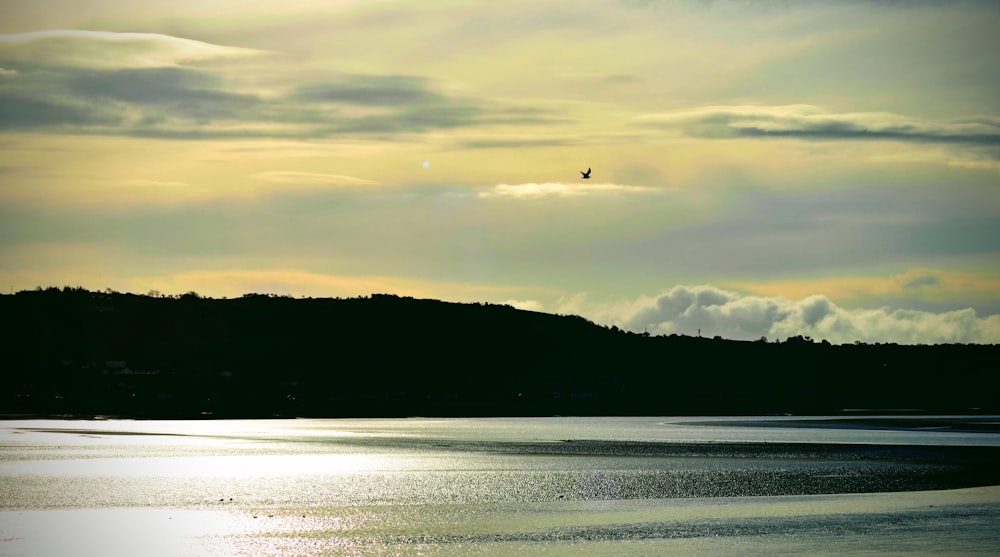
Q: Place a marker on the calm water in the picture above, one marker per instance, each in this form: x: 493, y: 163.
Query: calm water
x: 553, y: 486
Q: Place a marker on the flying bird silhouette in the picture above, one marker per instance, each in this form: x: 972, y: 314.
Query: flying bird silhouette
x: 586, y: 175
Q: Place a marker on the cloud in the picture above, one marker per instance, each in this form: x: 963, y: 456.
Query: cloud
x: 527, y: 305
x: 142, y: 183
x: 137, y: 101
x: 971, y: 159
x: 914, y: 288
x: 405, y: 104
x: 541, y: 138
x: 21, y: 111
x: 313, y: 178
x: 104, y: 49
x: 189, y: 103
x: 923, y: 280
x: 370, y: 90
x: 810, y: 122
x: 415, y: 119
x: 144, y: 190
x: 861, y: 221
x: 557, y: 189
x: 178, y: 92
x: 508, y: 142
x: 715, y: 311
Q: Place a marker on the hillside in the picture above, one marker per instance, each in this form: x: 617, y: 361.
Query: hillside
x: 76, y: 352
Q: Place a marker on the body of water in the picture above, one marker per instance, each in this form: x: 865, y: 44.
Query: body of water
x: 555, y: 486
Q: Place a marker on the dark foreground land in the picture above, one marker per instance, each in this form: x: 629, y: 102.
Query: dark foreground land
x: 80, y: 353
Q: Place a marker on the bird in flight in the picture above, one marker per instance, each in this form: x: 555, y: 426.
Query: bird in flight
x: 586, y: 175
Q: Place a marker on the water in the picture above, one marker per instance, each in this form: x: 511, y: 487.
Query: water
x: 553, y: 486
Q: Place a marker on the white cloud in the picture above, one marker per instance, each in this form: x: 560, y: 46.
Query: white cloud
x: 104, y: 49
x: 558, y: 189
x: 527, y: 305
x: 715, y: 311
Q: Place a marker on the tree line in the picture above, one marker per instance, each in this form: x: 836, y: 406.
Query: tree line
x: 76, y: 352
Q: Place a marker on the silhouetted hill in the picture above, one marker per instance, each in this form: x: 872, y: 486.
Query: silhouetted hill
x: 77, y: 352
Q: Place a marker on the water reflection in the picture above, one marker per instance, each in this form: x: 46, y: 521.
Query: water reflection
x: 209, y: 466
x: 919, y: 523
x: 124, y: 532
x: 498, y: 487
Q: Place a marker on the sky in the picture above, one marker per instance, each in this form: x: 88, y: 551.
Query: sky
x: 759, y: 169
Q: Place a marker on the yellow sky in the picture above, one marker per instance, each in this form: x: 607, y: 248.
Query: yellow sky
x: 781, y: 151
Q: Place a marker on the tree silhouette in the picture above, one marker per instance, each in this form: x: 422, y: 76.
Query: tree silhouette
x: 386, y: 355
